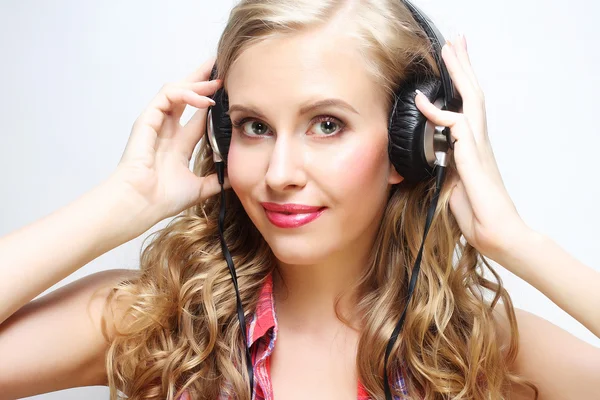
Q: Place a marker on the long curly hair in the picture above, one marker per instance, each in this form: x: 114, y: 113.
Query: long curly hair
x: 181, y: 331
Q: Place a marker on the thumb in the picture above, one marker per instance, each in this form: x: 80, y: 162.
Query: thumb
x: 460, y: 205
x: 184, y: 396
x: 193, y: 131
x: 209, y: 186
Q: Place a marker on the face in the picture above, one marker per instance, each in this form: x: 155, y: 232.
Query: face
x: 310, y: 129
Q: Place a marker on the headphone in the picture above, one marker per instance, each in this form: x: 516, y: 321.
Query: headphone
x: 417, y: 148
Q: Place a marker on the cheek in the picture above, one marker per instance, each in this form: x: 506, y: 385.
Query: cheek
x: 359, y: 169
x: 240, y: 172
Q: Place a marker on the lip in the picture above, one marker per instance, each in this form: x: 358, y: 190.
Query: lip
x: 291, y: 215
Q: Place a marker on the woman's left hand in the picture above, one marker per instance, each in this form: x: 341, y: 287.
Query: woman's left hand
x: 479, y: 201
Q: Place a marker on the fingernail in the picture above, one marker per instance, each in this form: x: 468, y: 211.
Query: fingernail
x: 184, y: 396
x: 418, y: 92
x: 463, y: 39
x: 212, y: 102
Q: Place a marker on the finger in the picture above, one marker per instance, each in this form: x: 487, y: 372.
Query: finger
x: 460, y: 48
x: 460, y: 129
x: 456, y: 71
x: 192, y: 132
x: 203, y: 72
x: 466, y: 154
x: 460, y: 78
x: 204, y: 88
x: 475, y: 110
x: 194, y: 129
x: 170, y: 96
x: 436, y: 115
x: 479, y: 110
x: 184, y: 396
x: 173, y: 95
x: 473, y: 105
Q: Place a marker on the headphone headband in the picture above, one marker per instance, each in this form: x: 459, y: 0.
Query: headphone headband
x: 416, y: 147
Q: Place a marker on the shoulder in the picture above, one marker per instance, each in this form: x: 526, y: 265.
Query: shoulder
x: 560, y: 364
x: 106, y: 304
x: 66, y: 321
x: 113, y: 302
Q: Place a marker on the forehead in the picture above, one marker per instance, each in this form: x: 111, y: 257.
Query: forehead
x: 295, y: 68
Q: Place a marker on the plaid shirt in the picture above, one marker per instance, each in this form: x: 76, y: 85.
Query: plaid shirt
x: 262, y: 335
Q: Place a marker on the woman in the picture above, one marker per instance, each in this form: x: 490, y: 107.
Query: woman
x: 322, y: 296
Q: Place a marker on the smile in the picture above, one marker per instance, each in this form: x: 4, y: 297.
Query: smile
x: 291, y: 215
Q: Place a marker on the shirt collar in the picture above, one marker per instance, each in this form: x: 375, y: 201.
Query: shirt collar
x: 264, y: 318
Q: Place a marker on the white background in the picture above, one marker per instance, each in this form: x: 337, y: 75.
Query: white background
x: 74, y: 76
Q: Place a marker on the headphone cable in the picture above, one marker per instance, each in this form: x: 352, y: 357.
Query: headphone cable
x: 440, y: 175
x: 439, y: 180
x: 220, y: 166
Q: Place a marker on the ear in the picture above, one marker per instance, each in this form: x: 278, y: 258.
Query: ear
x: 394, y: 177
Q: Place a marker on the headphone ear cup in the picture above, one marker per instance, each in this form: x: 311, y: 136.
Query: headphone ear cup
x: 221, y: 122
x: 222, y: 126
x: 406, y: 130
x: 213, y: 73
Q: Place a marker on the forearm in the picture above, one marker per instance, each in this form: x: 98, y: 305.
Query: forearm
x: 39, y: 255
x: 570, y: 284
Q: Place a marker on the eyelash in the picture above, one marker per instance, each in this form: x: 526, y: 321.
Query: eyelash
x: 238, y: 123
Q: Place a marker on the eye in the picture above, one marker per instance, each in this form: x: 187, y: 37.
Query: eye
x: 328, y: 126
x: 324, y: 125
x: 251, y: 127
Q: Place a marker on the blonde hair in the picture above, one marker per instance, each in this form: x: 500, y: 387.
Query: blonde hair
x: 182, y: 331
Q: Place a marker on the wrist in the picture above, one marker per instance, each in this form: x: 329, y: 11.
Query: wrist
x: 515, y: 250
x: 127, y: 215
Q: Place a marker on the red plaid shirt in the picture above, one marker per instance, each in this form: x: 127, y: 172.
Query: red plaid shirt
x: 262, y: 335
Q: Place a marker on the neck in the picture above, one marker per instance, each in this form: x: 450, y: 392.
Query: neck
x: 305, y: 295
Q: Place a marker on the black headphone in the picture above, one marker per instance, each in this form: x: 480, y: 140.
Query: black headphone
x: 417, y: 148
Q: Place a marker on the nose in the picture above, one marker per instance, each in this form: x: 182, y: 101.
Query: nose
x: 286, y: 166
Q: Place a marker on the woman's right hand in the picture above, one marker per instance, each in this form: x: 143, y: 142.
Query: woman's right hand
x: 155, y: 164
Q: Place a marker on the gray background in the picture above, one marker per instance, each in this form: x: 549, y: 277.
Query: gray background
x: 74, y: 76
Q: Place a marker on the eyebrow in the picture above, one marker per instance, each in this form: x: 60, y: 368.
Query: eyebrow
x: 304, y: 110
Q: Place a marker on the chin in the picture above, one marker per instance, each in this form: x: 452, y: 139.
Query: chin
x: 298, y: 250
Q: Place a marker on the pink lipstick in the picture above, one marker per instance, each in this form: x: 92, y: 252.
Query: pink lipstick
x: 291, y: 215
